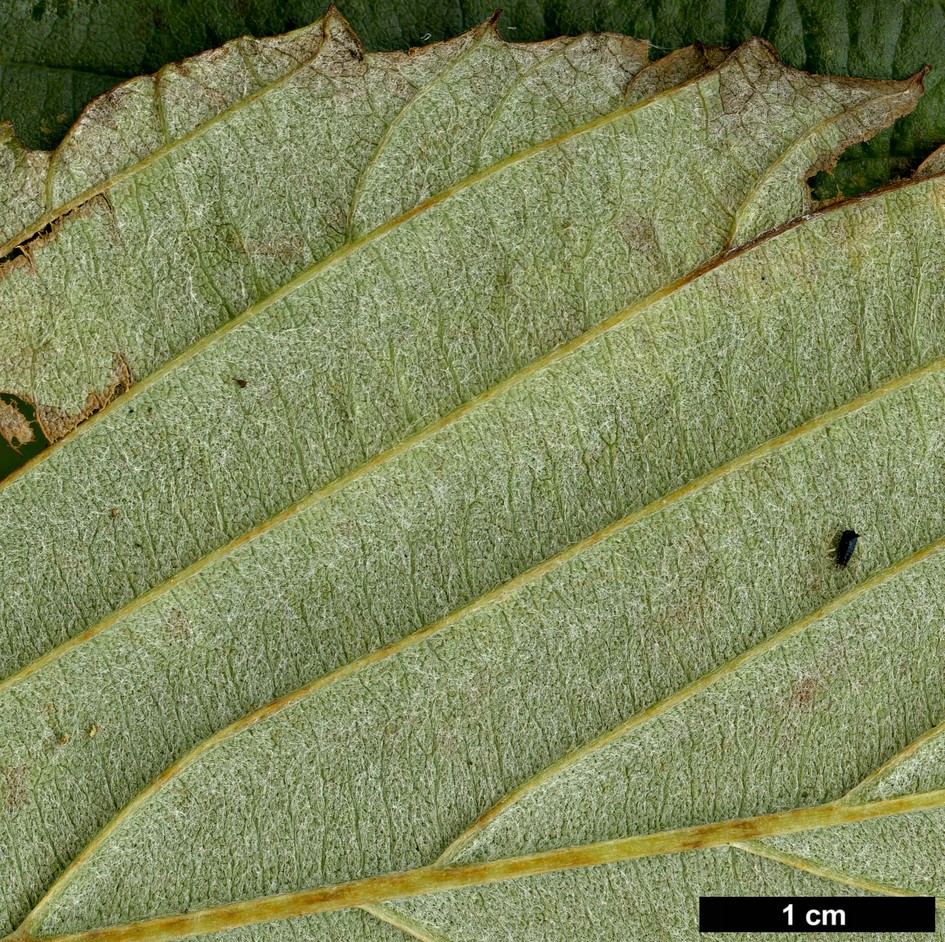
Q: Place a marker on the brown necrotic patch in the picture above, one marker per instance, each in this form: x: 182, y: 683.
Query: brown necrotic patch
x: 57, y: 423
x: 27, y: 427
x: 805, y: 692
x: 178, y: 625
x: 15, y: 428
x: 14, y: 786
x: 23, y: 256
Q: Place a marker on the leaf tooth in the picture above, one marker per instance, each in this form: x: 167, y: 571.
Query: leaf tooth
x: 338, y: 32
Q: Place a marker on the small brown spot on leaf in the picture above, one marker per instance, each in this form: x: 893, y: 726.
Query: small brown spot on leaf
x: 178, y: 626
x: 640, y: 234
x: 52, y: 719
x: 13, y: 780
x: 804, y: 693
x: 239, y: 382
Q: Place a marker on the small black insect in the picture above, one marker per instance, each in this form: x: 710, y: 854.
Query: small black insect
x: 846, y: 546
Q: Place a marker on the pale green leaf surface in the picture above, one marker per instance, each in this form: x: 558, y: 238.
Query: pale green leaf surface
x: 213, y: 244
x: 464, y: 684
x: 209, y: 186
x: 56, y: 54
x: 654, y: 899
x: 903, y: 852
x: 620, y: 561
x: 376, y: 342
x: 817, y: 707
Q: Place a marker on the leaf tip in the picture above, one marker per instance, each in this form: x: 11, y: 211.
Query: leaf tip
x: 489, y: 27
x: 336, y: 30
x: 919, y: 77
x: 759, y: 47
x: 932, y: 166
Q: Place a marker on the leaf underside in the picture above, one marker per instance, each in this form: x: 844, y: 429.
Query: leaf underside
x: 449, y: 455
x: 55, y: 55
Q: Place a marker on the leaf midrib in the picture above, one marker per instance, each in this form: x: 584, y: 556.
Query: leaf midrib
x: 428, y: 880
x: 803, y: 863
x: 498, y: 594
x: 690, y: 690
x: 384, y: 912
x: 512, y: 380
x: 379, y: 911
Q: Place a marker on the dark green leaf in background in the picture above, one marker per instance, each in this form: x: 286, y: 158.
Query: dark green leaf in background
x: 57, y: 54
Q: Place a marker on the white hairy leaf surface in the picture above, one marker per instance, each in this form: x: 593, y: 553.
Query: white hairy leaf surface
x: 438, y: 538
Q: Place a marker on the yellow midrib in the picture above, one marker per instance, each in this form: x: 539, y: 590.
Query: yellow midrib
x: 690, y: 690
x: 378, y: 234
x: 389, y: 914
x: 428, y: 880
x: 802, y: 863
x: 499, y: 593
